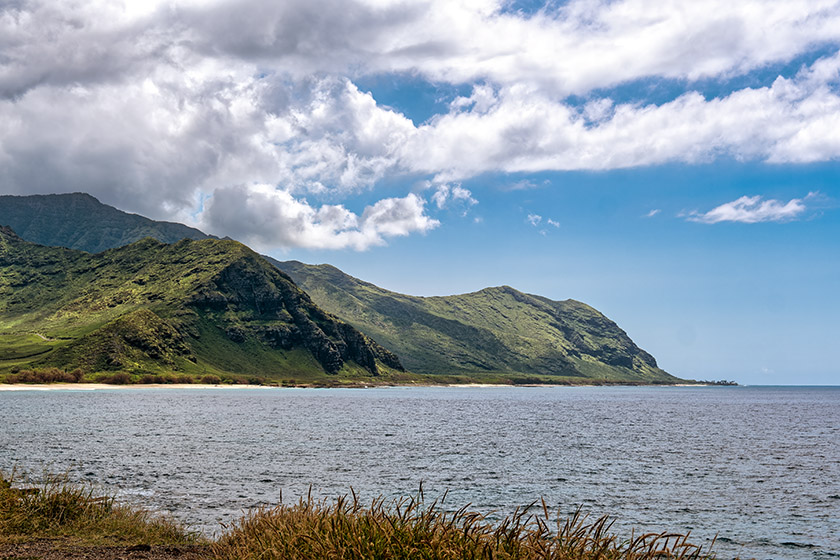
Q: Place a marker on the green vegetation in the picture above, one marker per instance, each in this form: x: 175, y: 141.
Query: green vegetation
x: 494, y: 334
x: 79, y: 221
x: 56, y: 509
x: 408, y: 529
x: 310, y: 530
x: 207, y: 309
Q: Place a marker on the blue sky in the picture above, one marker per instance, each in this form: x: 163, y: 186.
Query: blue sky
x: 673, y: 164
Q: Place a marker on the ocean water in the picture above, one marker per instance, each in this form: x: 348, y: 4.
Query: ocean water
x: 758, y: 467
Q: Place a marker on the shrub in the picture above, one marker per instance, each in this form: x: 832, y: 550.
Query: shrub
x: 119, y: 378
x: 211, y: 379
x: 58, y: 508
x: 50, y: 375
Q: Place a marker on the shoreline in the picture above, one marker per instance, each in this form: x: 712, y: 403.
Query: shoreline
x: 104, y: 386
x: 10, y: 387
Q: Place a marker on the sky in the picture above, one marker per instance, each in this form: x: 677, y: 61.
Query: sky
x: 673, y: 164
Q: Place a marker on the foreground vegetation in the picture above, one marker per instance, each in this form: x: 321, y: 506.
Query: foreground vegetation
x: 339, y: 529
x: 56, y: 509
x: 408, y: 529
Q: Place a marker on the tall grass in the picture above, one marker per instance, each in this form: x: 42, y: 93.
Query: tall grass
x: 403, y: 529
x: 331, y: 530
x: 57, y: 508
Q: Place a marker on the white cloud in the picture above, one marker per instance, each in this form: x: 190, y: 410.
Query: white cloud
x: 580, y: 46
x: 440, y: 196
x: 653, y: 213
x: 753, y: 209
x: 793, y: 120
x: 536, y: 220
x: 276, y: 219
x: 446, y: 195
x: 153, y: 106
x: 523, y: 185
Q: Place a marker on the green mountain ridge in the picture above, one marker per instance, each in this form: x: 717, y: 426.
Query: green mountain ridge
x: 80, y: 221
x: 207, y: 306
x: 495, y: 330
x: 495, y: 334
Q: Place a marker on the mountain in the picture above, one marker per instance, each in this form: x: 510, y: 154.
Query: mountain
x: 492, y: 331
x: 79, y: 221
x: 197, y: 306
x: 497, y: 332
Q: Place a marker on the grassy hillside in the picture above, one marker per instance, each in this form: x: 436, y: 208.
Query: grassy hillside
x: 493, y: 331
x: 79, y: 221
x: 208, y: 307
x: 497, y: 334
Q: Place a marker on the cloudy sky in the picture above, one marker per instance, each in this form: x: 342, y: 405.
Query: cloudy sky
x: 672, y: 163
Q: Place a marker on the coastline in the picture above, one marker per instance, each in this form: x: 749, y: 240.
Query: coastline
x: 106, y: 386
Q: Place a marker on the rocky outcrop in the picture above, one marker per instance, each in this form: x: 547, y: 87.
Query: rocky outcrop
x: 7, y: 231
x: 269, y: 307
x: 193, y: 306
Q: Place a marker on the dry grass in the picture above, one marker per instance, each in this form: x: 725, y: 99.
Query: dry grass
x: 57, y: 509
x: 344, y: 529
x: 331, y: 530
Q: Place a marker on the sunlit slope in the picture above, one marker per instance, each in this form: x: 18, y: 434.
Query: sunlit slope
x: 208, y: 306
x: 495, y: 330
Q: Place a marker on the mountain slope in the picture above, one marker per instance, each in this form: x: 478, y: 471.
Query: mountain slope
x: 195, y: 306
x: 79, y: 221
x: 498, y: 330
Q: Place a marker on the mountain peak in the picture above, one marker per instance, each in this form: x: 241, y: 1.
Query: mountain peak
x: 80, y: 221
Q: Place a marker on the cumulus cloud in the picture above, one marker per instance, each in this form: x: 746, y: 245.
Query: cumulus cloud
x: 602, y: 43
x: 534, y: 219
x: 753, y: 209
x: 278, y: 220
x: 794, y: 119
x: 154, y: 106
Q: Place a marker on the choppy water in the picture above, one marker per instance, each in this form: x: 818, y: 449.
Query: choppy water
x: 758, y: 466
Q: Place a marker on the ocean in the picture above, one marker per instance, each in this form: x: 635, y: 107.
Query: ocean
x: 757, y: 468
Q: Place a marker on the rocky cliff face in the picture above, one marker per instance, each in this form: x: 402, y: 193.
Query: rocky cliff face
x: 209, y: 303
x: 268, y: 306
